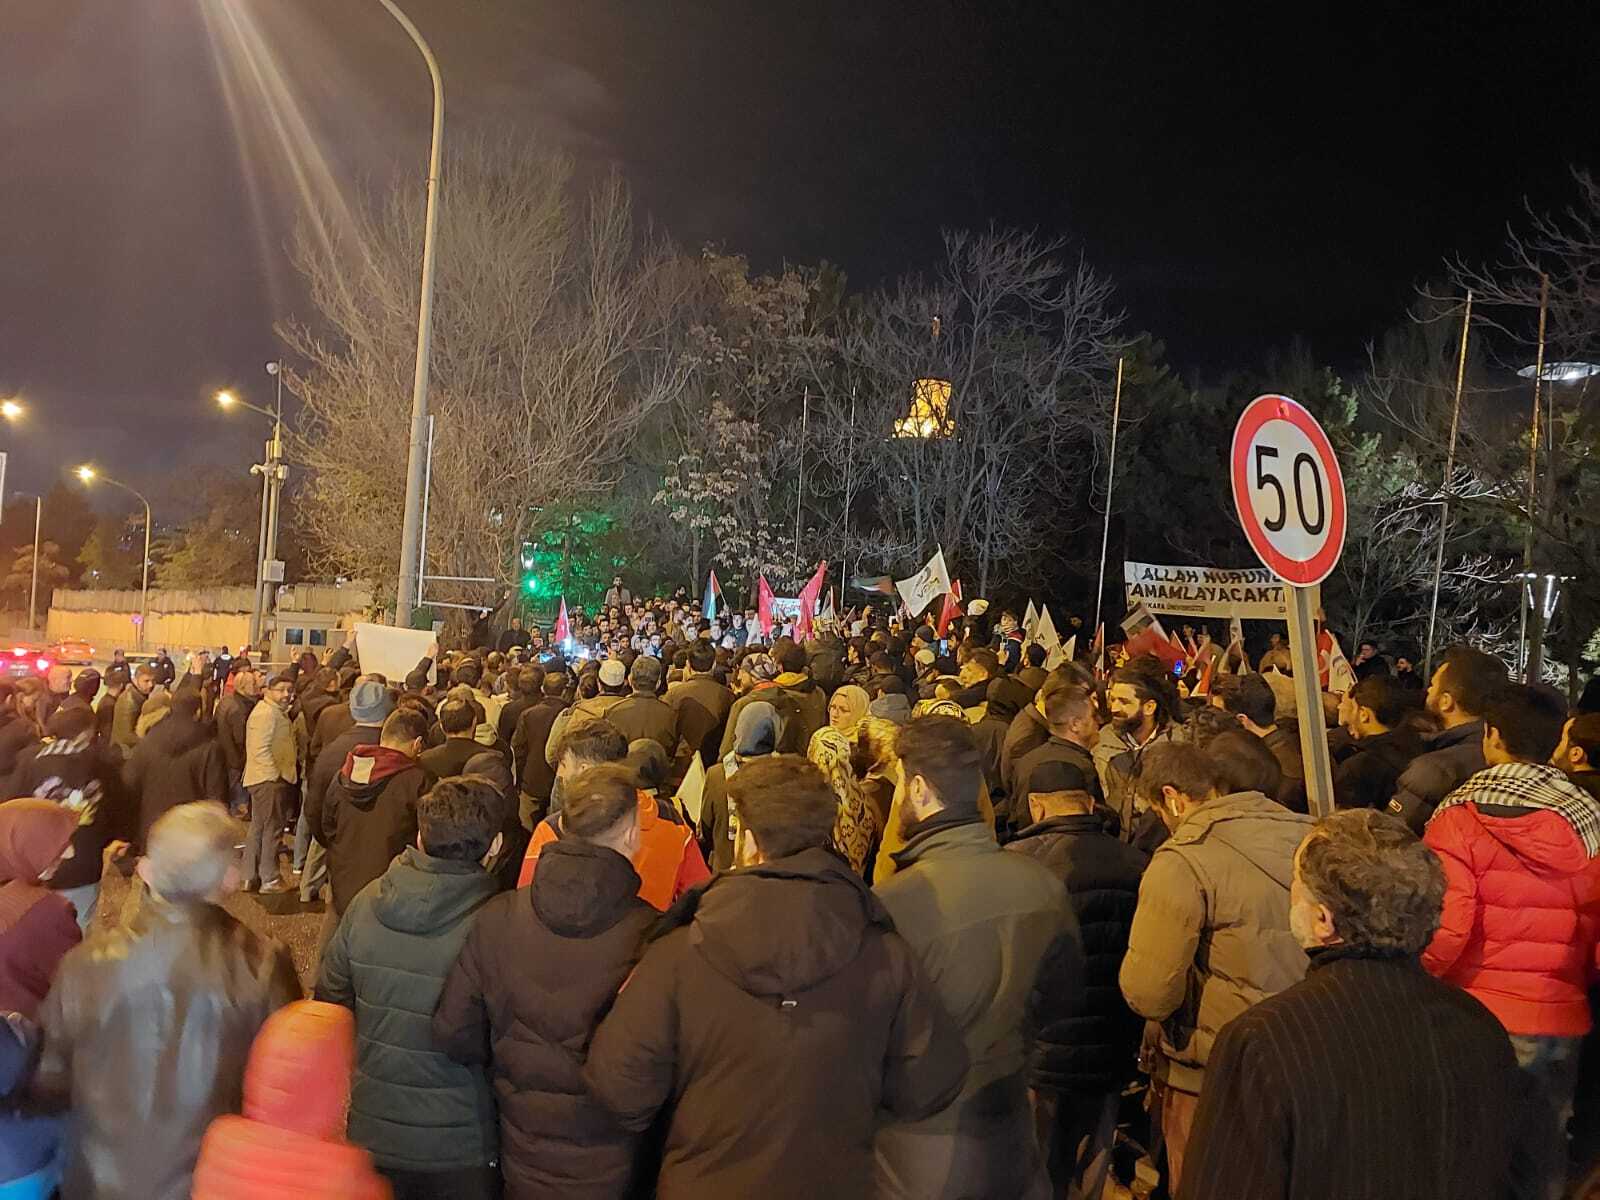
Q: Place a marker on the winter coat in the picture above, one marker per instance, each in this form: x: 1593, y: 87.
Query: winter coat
x: 233, y: 714
x: 776, y: 1055
x: 1366, y: 779
x: 289, y: 1143
x: 827, y: 662
x: 270, y: 753
x: 410, y: 1105
x: 177, y: 763
x: 981, y: 923
x: 1368, y: 1079
x: 1117, y: 762
x: 37, y: 926
x: 450, y: 759
x: 125, y: 720
x: 82, y: 774
x: 535, y: 777
x: 540, y: 968
x: 802, y: 710
x: 1027, y: 732
x: 594, y: 708
x: 1521, y: 916
x: 146, y: 1033
x: 1211, y: 934
x: 1284, y: 742
x: 1093, y: 1047
x: 333, y: 720
x: 1452, y: 757
x: 668, y: 860
x: 702, y: 706
x: 369, y: 815
x: 321, y: 773
x: 644, y: 716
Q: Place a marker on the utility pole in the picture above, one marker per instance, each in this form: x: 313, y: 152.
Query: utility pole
x: 411, y: 566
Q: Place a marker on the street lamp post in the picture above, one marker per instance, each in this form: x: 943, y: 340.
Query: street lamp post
x: 33, y: 588
x: 273, y: 472
x: 407, y: 593
x: 89, y: 475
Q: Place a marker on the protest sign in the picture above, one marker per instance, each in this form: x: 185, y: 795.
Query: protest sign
x: 1250, y: 593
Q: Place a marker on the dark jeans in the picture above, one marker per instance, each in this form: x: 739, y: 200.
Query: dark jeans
x: 1551, y: 1064
x: 464, y: 1183
x: 269, y: 812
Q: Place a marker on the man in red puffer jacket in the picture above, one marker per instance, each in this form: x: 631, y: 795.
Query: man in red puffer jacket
x: 1518, y: 841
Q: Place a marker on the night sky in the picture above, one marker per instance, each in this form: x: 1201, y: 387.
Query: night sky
x: 1243, y: 179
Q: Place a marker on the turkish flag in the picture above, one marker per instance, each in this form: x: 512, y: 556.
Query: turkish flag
x: 809, y: 595
x: 951, y: 608
x: 764, y: 606
x: 563, y: 630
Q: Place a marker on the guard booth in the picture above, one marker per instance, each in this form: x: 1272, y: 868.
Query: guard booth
x: 317, y: 617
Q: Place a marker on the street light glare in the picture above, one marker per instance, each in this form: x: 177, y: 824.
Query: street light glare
x: 86, y: 474
x: 10, y: 409
x: 226, y: 398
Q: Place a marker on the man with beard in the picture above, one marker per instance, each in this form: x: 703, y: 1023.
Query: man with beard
x: 1457, y: 695
x: 1143, y: 708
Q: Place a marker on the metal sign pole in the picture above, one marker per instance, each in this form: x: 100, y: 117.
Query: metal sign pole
x: 1308, y: 700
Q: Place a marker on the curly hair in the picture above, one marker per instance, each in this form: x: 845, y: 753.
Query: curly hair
x: 1384, y: 888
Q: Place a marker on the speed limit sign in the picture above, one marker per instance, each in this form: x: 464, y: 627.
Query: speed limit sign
x: 1288, y: 489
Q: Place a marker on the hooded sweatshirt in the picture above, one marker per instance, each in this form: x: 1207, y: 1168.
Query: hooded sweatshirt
x: 1521, y: 913
x: 289, y: 1144
x: 37, y: 926
x: 412, y: 1106
x: 783, y: 1019
x: 560, y: 949
x: 369, y: 815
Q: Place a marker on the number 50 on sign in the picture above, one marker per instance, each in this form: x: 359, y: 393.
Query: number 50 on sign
x: 1288, y: 489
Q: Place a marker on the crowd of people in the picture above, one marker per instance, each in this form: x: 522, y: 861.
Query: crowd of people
x: 664, y: 904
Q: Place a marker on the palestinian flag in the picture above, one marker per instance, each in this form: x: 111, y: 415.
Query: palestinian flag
x: 713, y: 597
x: 873, y: 583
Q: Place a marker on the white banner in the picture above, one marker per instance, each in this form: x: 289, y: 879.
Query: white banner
x: 926, y: 586
x: 392, y: 653
x: 1249, y: 593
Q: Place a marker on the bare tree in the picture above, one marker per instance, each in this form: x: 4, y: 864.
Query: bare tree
x: 550, y: 348
x: 1023, y: 339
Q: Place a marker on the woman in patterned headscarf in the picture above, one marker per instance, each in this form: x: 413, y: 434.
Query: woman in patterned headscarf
x: 855, y: 829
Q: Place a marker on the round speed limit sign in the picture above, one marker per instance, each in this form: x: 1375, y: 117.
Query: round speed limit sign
x: 1288, y: 489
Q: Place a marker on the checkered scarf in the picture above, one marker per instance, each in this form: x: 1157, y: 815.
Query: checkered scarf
x: 1533, y: 785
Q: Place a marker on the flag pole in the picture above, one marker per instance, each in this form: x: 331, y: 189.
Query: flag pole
x: 1111, y: 474
x: 1530, y: 664
x: 800, y: 491
x: 1449, y: 482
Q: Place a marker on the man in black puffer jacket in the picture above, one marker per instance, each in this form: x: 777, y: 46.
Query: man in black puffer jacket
x: 177, y: 762
x: 556, y: 950
x: 1082, y: 1054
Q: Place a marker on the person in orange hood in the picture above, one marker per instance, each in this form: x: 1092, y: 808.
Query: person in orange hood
x: 668, y: 859
x: 289, y: 1144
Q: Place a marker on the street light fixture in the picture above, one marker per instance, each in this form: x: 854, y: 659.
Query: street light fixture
x: 11, y: 409
x: 89, y: 476
x: 272, y: 473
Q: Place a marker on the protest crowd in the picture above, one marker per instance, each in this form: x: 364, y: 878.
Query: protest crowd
x: 667, y: 899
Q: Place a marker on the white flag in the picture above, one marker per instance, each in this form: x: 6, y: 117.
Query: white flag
x: 1030, y: 622
x: 691, y: 792
x: 1065, y: 654
x: 1045, y: 634
x: 926, y: 586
